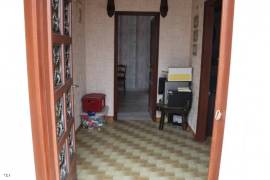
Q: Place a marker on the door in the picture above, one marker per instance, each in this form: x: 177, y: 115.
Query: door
x: 62, y: 78
x: 49, y: 61
x: 214, y: 68
x: 222, y: 87
x: 154, y: 49
x: 208, y: 30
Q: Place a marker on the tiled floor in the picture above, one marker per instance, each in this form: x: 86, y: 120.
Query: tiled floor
x: 133, y: 105
x: 138, y: 150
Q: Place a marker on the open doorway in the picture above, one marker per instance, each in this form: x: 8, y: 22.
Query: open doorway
x: 136, y: 65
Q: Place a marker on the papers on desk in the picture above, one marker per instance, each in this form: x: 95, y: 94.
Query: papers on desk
x: 183, y: 89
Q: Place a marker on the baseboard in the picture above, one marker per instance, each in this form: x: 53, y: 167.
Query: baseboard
x: 109, y: 119
x: 189, y: 129
x: 157, y: 119
x: 77, y: 130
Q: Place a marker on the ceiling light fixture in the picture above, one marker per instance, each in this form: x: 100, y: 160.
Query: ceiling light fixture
x: 110, y: 8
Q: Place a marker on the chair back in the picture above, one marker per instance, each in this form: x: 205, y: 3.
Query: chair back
x: 121, y: 71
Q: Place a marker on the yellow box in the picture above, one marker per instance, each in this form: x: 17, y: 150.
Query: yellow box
x: 180, y: 74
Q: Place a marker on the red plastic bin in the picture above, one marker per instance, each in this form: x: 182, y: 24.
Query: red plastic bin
x: 94, y: 102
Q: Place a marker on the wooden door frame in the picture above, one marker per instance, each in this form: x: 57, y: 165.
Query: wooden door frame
x: 40, y: 87
x: 154, y: 47
x: 206, y: 60
x: 132, y: 13
x: 222, y: 87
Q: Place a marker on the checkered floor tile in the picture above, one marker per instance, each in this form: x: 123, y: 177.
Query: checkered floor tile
x: 138, y: 150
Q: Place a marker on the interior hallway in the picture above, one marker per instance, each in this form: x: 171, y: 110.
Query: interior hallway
x: 133, y: 105
x: 138, y: 150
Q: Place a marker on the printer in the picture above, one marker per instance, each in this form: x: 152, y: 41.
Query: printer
x: 177, y: 92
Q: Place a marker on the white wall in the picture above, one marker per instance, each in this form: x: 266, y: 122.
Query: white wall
x: 16, y: 152
x: 197, y: 10
x: 78, y: 50
x: 99, y: 36
x: 246, y: 141
x: 175, y: 38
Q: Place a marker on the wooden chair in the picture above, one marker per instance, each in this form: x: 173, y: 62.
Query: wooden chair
x: 121, y: 76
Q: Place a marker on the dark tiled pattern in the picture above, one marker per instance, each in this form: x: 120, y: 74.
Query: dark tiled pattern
x: 133, y: 105
x: 138, y: 150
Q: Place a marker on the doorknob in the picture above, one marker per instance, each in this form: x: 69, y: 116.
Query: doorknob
x: 218, y: 115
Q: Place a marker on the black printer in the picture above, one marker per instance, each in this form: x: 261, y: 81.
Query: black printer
x: 178, y: 98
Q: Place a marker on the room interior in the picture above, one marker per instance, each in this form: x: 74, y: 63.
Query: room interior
x: 93, y: 68
x: 249, y: 157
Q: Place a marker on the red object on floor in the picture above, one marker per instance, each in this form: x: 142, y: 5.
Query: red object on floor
x: 94, y: 102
